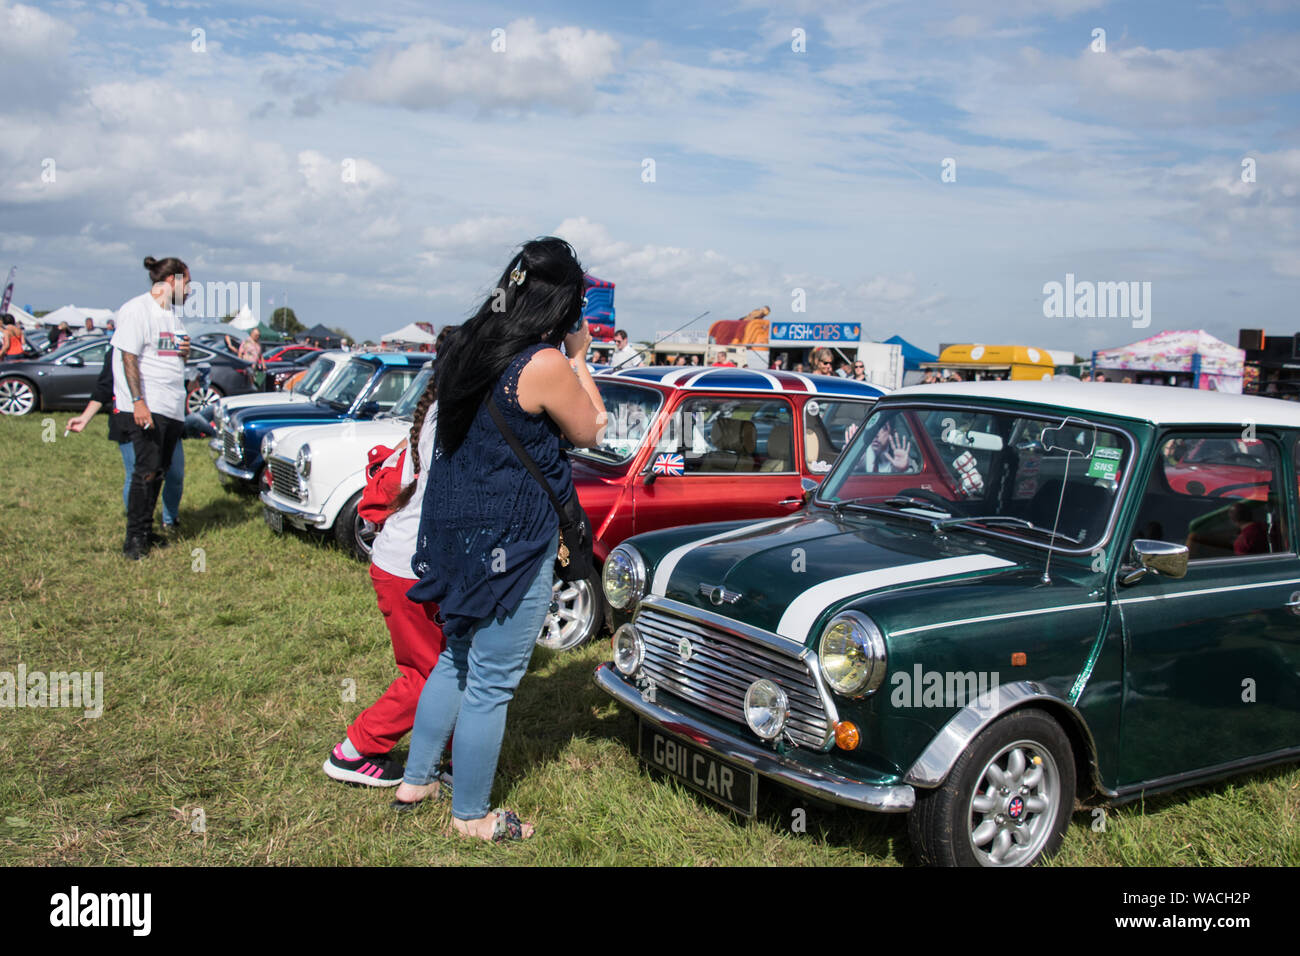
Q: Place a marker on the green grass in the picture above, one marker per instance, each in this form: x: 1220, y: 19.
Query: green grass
x: 223, y: 693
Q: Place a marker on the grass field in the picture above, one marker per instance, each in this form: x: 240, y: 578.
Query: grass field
x: 223, y: 693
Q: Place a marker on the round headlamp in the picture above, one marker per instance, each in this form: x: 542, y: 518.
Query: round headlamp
x: 852, y: 654
x: 629, y: 650
x: 268, y: 444
x: 303, y: 461
x: 623, y: 577
x: 766, y: 709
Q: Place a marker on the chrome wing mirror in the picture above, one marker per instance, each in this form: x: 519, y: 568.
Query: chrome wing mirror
x: 1159, y: 557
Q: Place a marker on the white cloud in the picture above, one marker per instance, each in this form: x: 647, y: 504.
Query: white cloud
x: 559, y: 67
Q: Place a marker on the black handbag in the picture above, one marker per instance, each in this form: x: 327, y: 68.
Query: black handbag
x: 575, y: 561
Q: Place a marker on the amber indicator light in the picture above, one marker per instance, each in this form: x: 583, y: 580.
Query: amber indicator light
x: 1019, y: 659
x: 846, y: 735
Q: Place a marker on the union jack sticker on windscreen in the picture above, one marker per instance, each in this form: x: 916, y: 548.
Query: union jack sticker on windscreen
x: 668, y: 463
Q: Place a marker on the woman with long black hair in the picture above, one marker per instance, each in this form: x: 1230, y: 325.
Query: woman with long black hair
x: 488, y: 530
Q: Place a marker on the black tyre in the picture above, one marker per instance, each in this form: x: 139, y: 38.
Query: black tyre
x: 1007, y: 800
x: 17, y: 396
x: 577, y: 613
x: 352, y: 532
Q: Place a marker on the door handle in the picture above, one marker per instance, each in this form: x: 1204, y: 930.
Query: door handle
x: 1294, y: 603
x: 798, y: 501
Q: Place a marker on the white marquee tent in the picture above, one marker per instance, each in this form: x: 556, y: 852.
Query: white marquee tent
x: 244, y: 318
x: 76, y: 317
x: 411, y: 334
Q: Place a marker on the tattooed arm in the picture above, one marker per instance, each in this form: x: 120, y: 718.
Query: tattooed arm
x: 131, y: 367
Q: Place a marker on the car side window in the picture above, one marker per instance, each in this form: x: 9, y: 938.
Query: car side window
x: 716, y: 434
x: 94, y: 355
x: 1221, y: 495
x: 391, y: 387
x: 827, y: 428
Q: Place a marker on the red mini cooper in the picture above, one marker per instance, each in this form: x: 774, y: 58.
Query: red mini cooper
x: 686, y: 445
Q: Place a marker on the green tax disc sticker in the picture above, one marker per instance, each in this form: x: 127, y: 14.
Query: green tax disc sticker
x: 1105, y: 463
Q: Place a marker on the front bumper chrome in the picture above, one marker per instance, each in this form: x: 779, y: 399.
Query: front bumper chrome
x: 226, y: 468
x: 314, y: 518
x: 830, y: 787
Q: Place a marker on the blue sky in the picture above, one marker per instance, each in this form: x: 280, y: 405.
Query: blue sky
x: 775, y: 170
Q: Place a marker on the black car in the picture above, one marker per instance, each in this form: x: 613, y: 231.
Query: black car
x: 229, y: 375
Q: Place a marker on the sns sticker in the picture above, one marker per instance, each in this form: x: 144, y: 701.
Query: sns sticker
x: 1104, y: 463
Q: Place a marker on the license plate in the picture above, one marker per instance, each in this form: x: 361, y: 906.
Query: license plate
x: 274, y: 520
x: 730, y: 785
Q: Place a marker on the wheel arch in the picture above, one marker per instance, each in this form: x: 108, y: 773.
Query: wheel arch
x: 934, y: 764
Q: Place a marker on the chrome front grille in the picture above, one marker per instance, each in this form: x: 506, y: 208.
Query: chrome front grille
x: 284, y: 479
x: 721, y: 667
x: 229, y: 447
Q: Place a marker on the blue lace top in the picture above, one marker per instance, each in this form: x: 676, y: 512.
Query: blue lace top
x: 486, y: 524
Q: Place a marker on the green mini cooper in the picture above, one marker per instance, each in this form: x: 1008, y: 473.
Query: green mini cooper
x: 1005, y: 597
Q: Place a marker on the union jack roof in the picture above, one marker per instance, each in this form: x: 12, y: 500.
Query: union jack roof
x: 700, y: 378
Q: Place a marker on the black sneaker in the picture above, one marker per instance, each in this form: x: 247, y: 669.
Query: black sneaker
x: 378, y: 771
x: 136, y: 547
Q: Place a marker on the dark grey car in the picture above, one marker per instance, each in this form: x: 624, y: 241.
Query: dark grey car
x: 61, y: 380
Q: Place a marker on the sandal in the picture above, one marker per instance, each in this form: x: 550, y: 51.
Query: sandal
x: 507, y: 828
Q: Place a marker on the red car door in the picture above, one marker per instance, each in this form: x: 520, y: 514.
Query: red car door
x: 720, y: 458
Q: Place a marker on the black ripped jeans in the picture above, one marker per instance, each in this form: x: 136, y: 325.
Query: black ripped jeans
x: 153, y: 456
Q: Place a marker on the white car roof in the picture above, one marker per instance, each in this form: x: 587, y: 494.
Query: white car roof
x: 1159, y: 404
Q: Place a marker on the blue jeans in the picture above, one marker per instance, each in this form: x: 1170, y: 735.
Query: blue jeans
x: 469, y: 689
x: 173, y: 484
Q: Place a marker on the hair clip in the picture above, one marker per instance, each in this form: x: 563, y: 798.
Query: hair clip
x: 517, y: 274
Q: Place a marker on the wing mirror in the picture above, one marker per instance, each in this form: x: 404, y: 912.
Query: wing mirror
x: 809, y: 488
x: 1158, y: 557
x: 74, y: 361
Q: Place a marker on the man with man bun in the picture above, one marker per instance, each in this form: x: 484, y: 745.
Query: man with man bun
x: 150, y: 347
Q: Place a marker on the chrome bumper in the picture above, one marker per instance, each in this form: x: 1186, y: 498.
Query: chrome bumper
x: 226, y: 468
x: 297, y: 514
x: 766, y: 763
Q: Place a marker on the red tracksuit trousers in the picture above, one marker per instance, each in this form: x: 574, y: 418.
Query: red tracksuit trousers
x: 417, y: 642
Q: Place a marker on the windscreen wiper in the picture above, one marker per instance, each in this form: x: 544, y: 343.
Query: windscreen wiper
x: 1005, y: 520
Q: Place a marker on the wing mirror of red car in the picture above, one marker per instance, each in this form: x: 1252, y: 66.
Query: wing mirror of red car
x: 809, y: 489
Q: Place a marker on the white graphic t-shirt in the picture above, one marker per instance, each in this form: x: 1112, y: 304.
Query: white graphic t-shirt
x: 146, y: 329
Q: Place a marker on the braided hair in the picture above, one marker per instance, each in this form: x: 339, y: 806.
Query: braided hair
x: 417, y: 425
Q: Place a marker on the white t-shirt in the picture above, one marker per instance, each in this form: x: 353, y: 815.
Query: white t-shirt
x: 626, y: 357
x: 394, y: 546
x: 146, y: 329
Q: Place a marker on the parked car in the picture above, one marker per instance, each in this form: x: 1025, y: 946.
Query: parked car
x: 63, y: 379
x: 290, y: 352
x: 316, y: 473
x: 686, y: 445
x: 369, y: 383
x: 1004, y: 597
x: 227, y: 375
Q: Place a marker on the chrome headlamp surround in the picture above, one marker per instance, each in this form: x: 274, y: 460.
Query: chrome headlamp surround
x: 303, y: 461
x: 766, y: 708
x: 629, y: 650
x: 623, y: 578
x: 852, y: 656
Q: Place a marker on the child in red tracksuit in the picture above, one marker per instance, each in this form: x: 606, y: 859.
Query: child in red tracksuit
x: 363, y: 756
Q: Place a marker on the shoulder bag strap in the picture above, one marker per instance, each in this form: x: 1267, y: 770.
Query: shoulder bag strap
x: 522, y: 454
